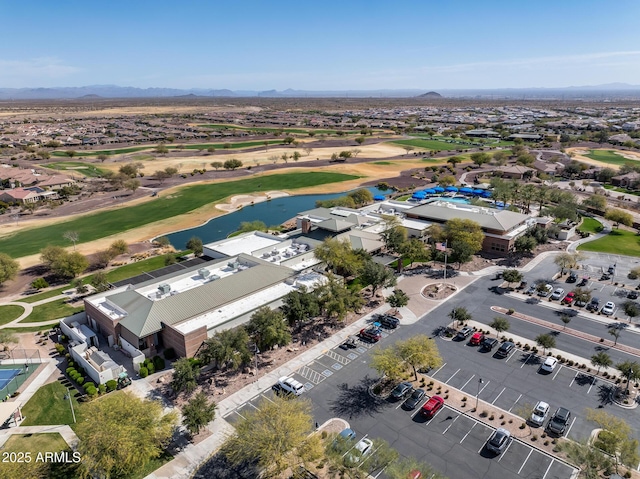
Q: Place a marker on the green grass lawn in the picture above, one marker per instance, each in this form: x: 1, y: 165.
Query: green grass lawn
x: 47, y: 294
x: 10, y: 312
x: 403, y: 198
x: 384, y: 163
x: 133, y: 149
x: 431, y: 144
x: 85, y: 169
x: 35, y: 443
x: 139, y: 267
x: 617, y: 242
x: 591, y: 225
x: 31, y: 329
x: 189, y: 198
x: 52, y: 310
x: 608, y: 156
x: 48, y: 406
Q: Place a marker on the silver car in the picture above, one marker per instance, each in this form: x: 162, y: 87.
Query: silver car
x: 539, y: 414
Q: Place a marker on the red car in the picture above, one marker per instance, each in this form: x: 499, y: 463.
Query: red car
x: 432, y: 406
x: 372, y: 334
x: 568, y: 299
x: 477, y: 338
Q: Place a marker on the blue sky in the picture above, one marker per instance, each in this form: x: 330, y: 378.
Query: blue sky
x: 322, y: 45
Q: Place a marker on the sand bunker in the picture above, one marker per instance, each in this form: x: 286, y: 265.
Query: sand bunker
x: 240, y: 201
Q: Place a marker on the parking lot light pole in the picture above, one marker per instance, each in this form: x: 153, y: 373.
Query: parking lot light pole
x: 480, y: 381
x: 68, y: 396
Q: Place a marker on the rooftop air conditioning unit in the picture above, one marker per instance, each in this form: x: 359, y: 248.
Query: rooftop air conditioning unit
x: 164, y: 288
x: 232, y: 264
x: 204, y: 272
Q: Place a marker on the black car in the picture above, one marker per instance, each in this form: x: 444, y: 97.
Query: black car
x: 413, y: 400
x: 489, y: 343
x: 402, y: 390
x: 388, y: 321
x: 559, y: 422
x: 594, y: 305
x: 632, y: 295
x: 505, y: 349
x: 583, y: 282
x: 605, y: 277
x: 464, y: 333
x: 573, y: 277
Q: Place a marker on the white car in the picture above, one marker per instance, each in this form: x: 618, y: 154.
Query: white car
x: 289, y: 385
x: 558, y: 293
x: 356, y: 455
x: 608, y: 308
x: 539, y: 413
x: 549, y: 364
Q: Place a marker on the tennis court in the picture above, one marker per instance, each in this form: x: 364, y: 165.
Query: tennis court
x: 6, y: 375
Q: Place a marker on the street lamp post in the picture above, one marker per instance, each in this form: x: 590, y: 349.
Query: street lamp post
x: 68, y: 396
x: 628, y: 381
x: 480, y: 381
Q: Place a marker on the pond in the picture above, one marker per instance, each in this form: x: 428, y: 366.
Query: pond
x: 272, y: 212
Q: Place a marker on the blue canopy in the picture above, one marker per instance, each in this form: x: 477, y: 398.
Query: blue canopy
x: 438, y: 189
x: 419, y: 194
x: 430, y: 191
x: 451, y: 188
x: 486, y: 194
x: 378, y: 198
x: 466, y: 190
x: 478, y: 192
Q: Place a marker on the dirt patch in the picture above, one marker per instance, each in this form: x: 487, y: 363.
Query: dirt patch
x: 438, y: 291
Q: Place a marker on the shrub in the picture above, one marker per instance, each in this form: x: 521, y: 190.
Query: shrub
x: 510, y: 311
x: 523, y: 425
x: 169, y: 354
x: 60, y: 348
x: 91, y: 390
x: 80, y: 380
x: 151, y: 368
x: 112, y: 385
x: 323, y: 435
x: 144, y: 372
x: 102, y: 389
x: 159, y: 364
x: 70, y: 369
x: 527, y: 347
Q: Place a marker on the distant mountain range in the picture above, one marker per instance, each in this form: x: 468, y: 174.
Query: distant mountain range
x: 607, y: 91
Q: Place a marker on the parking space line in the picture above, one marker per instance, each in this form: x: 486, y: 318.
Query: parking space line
x: 419, y: 409
x: 447, y: 381
x: 570, y: 426
x: 438, y: 370
x: 433, y: 417
x: 240, y: 414
x: 512, y: 355
x: 525, y: 461
x: 526, y: 360
x: 401, y: 403
x: 485, y: 385
x: 464, y: 385
x: 593, y: 381
x: 514, y: 404
x: 574, y: 378
x: 505, y: 451
x: 547, y: 471
x: 484, y: 444
x: 554, y: 376
x: 498, y: 396
x: 267, y: 398
x: 469, y: 432
x: 254, y: 407
x: 454, y: 420
x: 337, y: 357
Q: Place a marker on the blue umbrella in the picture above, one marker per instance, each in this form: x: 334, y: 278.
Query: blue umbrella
x: 439, y: 189
x: 451, y: 188
x: 478, y: 192
x: 486, y: 194
x: 378, y: 198
x: 430, y: 191
x: 419, y: 195
x: 466, y: 190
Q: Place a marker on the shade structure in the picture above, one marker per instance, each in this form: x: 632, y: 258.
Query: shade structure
x: 465, y: 190
x: 430, y: 191
x: 478, y: 192
x: 378, y: 198
x: 419, y: 195
x: 486, y: 194
x: 439, y: 189
x: 453, y: 189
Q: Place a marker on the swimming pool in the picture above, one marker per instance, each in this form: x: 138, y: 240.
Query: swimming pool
x: 455, y: 199
x: 6, y: 375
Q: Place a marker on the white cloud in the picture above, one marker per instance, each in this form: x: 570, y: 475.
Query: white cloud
x: 35, y: 71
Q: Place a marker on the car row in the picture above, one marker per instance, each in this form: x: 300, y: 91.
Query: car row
x: 557, y: 424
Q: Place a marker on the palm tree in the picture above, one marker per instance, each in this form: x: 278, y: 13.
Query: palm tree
x: 601, y: 360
